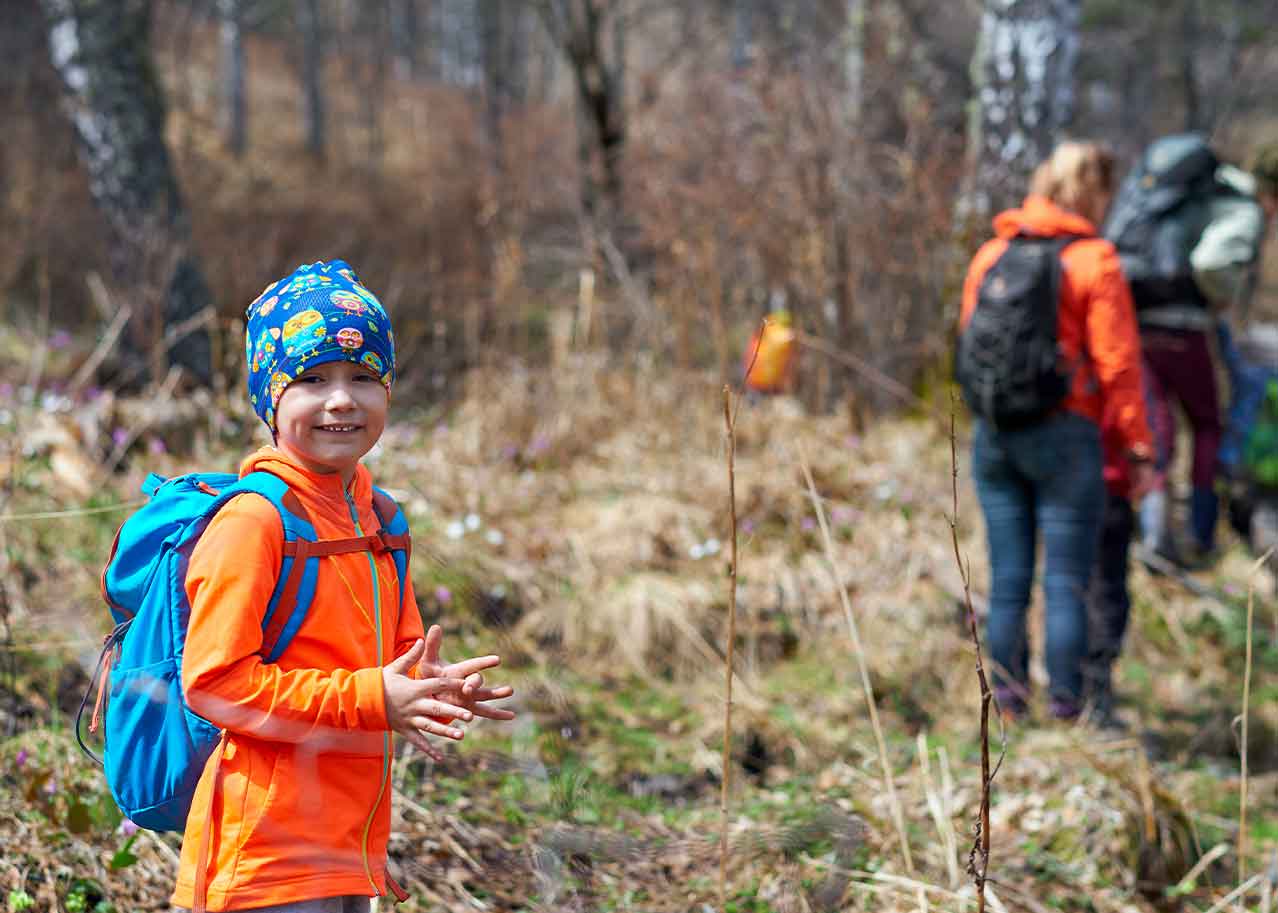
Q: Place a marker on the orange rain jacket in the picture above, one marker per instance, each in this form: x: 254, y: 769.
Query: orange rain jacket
x: 302, y: 808
x: 1096, y: 328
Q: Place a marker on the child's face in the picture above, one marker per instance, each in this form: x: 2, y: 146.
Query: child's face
x: 331, y: 416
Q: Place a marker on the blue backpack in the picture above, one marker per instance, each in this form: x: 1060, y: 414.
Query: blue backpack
x: 156, y: 747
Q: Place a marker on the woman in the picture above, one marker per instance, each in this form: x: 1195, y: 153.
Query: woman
x: 1045, y: 478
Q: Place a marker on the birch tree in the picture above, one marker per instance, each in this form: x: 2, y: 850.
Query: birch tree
x: 101, y: 51
x: 234, y: 102
x: 1023, y: 74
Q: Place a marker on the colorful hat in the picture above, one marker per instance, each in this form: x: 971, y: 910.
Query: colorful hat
x: 317, y: 314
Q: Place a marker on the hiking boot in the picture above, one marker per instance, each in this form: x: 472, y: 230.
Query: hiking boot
x: 1063, y: 709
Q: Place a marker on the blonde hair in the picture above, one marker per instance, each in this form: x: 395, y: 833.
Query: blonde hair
x: 1076, y: 176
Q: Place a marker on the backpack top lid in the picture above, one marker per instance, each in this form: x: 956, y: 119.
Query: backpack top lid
x: 1179, y: 160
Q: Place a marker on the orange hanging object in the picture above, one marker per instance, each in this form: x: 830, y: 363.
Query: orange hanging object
x: 769, y: 358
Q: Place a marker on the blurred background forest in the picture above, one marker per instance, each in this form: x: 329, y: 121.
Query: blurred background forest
x: 648, y: 176
x: 576, y: 212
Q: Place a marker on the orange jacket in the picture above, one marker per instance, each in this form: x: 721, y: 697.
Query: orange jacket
x: 302, y: 808
x: 1096, y: 328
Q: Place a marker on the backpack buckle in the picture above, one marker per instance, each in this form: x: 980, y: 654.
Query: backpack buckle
x: 383, y: 540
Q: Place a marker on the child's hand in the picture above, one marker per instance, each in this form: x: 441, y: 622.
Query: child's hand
x: 472, y: 694
x: 411, y: 708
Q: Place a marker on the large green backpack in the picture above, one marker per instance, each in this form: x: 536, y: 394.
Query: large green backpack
x: 1260, y: 448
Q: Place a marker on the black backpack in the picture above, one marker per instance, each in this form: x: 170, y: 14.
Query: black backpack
x: 1008, y: 364
x: 1157, y: 217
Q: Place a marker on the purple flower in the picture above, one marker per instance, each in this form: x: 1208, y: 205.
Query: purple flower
x: 155, y: 446
x: 842, y: 516
x: 443, y: 595
x: 807, y: 524
x: 20, y: 759
x: 51, y: 787
x: 747, y: 526
x: 509, y: 452
x: 128, y: 828
x: 60, y: 340
x: 6, y: 391
x: 538, y: 444
x: 119, y: 436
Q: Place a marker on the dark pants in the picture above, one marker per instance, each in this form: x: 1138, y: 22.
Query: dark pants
x: 1180, y: 361
x: 1108, y: 600
x: 1043, y: 479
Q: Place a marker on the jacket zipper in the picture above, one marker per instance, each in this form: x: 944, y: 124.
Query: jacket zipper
x: 377, y: 622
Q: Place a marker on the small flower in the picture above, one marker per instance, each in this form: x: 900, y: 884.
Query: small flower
x: 455, y: 530
x: 59, y: 340
x: 842, y: 516
x: 807, y: 524
x: 711, y: 546
x: 155, y: 446
x: 509, y: 452
x: 443, y: 595
x: 747, y: 526
x: 51, y: 787
x: 696, y: 552
x: 472, y: 522
x: 20, y: 759
x: 494, y: 537
x: 538, y: 444
x: 128, y: 828
x: 119, y: 437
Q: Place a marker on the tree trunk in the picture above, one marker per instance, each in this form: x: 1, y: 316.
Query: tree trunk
x: 591, y: 34
x: 234, y: 103
x: 101, y: 50
x: 1023, y: 76
x: 1189, y: 30
x: 405, y: 36
x: 312, y: 29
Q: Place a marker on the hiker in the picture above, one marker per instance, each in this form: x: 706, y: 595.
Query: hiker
x: 1247, y: 448
x: 1048, y: 345
x: 293, y: 809
x: 1188, y: 231
x: 1108, y: 597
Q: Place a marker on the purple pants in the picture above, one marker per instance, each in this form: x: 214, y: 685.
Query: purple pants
x: 1181, y: 368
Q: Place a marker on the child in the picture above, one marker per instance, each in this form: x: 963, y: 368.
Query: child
x: 293, y: 809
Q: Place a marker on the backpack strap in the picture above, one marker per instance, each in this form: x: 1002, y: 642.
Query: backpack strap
x: 394, y: 535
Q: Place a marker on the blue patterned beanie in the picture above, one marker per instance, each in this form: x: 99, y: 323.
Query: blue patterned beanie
x: 317, y: 314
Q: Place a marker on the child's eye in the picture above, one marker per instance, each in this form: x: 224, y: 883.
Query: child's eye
x: 309, y: 379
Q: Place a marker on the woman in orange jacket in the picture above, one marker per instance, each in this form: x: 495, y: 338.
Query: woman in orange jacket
x: 293, y: 810
x: 1046, y: 478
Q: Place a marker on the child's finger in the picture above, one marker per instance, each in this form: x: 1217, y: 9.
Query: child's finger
x: 434, y: 708
x: 473, y: 683
x: 469, y: 666
x: 493, y: 713
x: 435, y: 727
x: 440, y: 684
x: 401, y: 665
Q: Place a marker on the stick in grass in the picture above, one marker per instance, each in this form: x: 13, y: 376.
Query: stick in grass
x: 978, y: 859
x: 730, y: 433
x: 1246, y: 698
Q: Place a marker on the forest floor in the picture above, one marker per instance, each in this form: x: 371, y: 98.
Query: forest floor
x: 577, y: 522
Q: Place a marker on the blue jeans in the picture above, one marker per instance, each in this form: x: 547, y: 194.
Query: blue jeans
x: 1045, y: 478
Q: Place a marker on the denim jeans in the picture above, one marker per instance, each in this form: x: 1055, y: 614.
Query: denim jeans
x: 347, y: 904
x: 1043, y: 479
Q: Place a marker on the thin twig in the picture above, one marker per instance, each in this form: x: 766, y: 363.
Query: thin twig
x: 978, y: 860
x: 897, y: 816
x: 729, y: 420
x: 1246, y: 698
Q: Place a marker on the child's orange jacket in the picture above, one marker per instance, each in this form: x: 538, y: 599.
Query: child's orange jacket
x: 302, y: 805
x: 1096, y: 321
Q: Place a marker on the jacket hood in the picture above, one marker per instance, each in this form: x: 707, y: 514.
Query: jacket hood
x: 1040, y: 216
x: 306, y: 482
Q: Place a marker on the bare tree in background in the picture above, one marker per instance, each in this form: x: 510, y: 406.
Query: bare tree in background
x: 311, y: 20
x: 592, y: 36
x: 101, y: 49
x: 405, y: 35
x: 504, y: 51
x: 234, y: 102
x: 1023, y: 74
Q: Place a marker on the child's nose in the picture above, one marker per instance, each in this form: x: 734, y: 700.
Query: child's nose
x: 340, y: 397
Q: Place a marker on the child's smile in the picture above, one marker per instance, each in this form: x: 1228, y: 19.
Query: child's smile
x: 331, y: 416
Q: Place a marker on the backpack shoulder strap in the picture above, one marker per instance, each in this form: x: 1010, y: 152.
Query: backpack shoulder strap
x: 297, y: 578
x: 394, y: 535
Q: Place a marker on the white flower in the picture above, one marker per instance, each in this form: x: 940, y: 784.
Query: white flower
x: 472, y: 522
x: 455, y: 530
x: 494, y: 537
